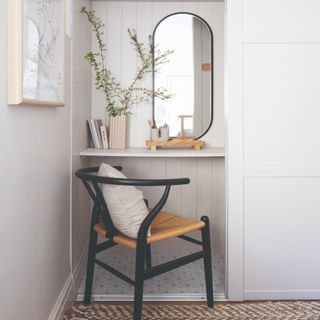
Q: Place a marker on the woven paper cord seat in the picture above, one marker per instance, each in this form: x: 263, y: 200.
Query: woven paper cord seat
x: 166, y: 225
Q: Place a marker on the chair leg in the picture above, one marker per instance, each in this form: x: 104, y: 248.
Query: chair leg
x: 139, y: 278
x: 148, y: 256
x: 207, y: 260
x: 90, y: 266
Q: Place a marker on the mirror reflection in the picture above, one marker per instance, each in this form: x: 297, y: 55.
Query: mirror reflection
x: 187, y: 76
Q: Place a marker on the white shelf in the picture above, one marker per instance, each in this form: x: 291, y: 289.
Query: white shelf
x: 206, y: 152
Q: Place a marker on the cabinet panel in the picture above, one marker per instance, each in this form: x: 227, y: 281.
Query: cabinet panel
x: 281, y: 20
x: 281, y: 104
x: 281, y: 241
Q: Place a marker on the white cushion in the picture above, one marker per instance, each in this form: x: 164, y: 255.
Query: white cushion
x: 125, y: 203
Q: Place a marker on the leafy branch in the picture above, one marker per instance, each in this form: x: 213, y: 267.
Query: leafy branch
x: 120, y: 100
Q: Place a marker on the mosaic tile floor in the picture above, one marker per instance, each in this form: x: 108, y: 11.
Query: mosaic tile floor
x: 186, y: 279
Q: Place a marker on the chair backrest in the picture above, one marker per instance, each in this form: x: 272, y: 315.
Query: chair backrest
x: 90, y: 179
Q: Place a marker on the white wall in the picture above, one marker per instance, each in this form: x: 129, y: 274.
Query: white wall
x: 81, y: 112
x: 279, y: 151
x: 118, y: 16
x: 35, y: 196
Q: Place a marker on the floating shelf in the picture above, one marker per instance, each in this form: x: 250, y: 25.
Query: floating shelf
x: 206, y: 152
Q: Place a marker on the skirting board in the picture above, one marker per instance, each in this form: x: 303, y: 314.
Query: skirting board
x: 68, y: 292
x: 155, y: 297
x: 281, y: 295
x: 63, y: 298
x: 79, y: 271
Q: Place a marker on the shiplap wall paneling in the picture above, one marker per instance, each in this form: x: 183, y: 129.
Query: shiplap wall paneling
x: 157, y: 169
x: 129, y: 61
x: 174, y: 170
x: 190, y: 7
x: 143, y: 111
x: 159, y: 10
x: 204, y: 186
x: 147, y: 169
x: 173, y: 7
x: 204, y: 195
x: 216, y: 135
x: 122, y: 61
x: 189, y: 191
x: 98, y: 103
x: 218, y: 205
x: 114, y: 36
x: 112, y: 161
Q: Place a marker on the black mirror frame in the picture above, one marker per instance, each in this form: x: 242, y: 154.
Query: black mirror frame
x: 211, y: 78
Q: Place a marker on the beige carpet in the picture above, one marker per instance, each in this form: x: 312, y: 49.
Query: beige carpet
x: 278, y: 310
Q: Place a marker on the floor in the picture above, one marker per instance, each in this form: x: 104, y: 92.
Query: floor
x: 184, y: 281
x: 266, y: 310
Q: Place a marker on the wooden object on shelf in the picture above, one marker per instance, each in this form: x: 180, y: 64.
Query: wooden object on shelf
x: 175, y: 143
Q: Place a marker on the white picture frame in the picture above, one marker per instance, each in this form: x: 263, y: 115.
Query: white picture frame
x: 36, y: 52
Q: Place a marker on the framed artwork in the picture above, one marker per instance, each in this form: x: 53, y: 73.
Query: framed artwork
x: 36, y: 52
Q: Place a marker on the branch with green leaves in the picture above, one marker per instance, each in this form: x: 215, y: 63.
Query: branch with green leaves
x: 120, y: 100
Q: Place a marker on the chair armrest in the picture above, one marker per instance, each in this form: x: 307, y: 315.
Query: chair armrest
x: 86, y: 174
x: 142, y: 182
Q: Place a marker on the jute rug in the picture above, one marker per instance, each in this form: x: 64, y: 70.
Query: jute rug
x: 279, y: 310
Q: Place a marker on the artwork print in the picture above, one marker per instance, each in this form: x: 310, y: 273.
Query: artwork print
x: 43, y: 50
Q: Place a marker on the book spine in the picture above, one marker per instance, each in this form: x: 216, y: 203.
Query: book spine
x: 92, y: 133
x: 95, y: 135
x: 97, y: 124
x: 104, y: 137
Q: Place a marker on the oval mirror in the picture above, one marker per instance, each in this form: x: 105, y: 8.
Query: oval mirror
x: 188, y: 75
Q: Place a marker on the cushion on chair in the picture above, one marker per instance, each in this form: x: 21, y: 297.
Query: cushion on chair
x: 125, y: 203
x: 164, y: 226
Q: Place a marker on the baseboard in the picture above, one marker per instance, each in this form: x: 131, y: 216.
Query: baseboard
x: 63, y: 298
x: 281, y: 295
x: 79, y: 271
x: 69, y: 290
x: 155, y: 297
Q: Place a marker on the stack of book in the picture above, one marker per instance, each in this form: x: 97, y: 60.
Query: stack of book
x: 98, y: 134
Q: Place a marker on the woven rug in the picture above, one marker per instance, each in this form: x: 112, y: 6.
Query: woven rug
x: 279, y: 310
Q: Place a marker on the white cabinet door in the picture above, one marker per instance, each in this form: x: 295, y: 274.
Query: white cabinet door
x: 282, y: 238
x: 281, y: 129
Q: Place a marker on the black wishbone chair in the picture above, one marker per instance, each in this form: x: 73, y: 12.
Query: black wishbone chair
x: 164, y: 225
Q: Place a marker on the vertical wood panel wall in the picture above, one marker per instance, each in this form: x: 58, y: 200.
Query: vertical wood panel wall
x: 205, y: 194
x: 118, y: 16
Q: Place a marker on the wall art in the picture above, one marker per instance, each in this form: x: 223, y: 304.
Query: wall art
x: 36, y: 52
